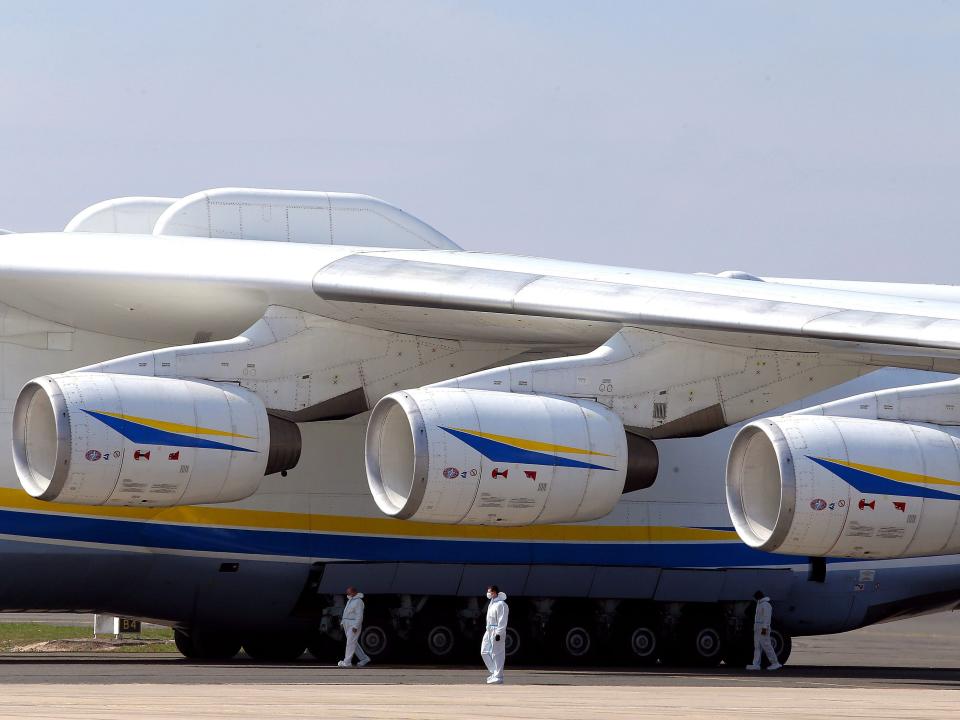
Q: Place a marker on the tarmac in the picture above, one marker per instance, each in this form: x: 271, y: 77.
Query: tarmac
x: 906, y: 670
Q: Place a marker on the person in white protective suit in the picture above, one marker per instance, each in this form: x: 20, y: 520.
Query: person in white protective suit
x: 493, y: 647
x: 761, y: 633
x: 352, y: 623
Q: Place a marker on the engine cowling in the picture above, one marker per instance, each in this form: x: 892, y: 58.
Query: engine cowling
x: 478, y: 457
x: 845, y: 487
x: 105, y: 439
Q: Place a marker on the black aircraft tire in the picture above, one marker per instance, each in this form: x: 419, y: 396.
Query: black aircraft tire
x: 324, y: 648
x: 640, y: 644
x: 574, y: 642
x: 200, y: 645
x: 378, y: 639
x: 520, y: 646
x: 739, y: 652
x: 215, y: 646
x: 782, y: 646
x: 698, y: 643
x: 184, y: 644
x: 274, y: 648
x: 441, y: 642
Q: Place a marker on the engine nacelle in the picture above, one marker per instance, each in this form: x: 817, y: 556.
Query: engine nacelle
x: 845, y: 487
x: 477, y: 457
x: 102, y: 439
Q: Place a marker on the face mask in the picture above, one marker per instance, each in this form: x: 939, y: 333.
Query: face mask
x: 489, y: 595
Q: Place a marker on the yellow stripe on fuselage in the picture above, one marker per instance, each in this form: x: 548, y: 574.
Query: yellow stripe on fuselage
x: 530, y: 444
x: 897, y: 475
x: 13, y: 499
x: 174, y: 427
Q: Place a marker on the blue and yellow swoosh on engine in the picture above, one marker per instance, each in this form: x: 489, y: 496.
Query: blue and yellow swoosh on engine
x: 147, y: 431
x: 506, y: 449
x: 872, y: 480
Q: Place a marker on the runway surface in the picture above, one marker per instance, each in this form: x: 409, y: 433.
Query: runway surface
x: 900, y: 670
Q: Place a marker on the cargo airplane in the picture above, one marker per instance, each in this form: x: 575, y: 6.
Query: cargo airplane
x: 224, y: 408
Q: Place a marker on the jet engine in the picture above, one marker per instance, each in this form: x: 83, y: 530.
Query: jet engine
x: 845, y: 487
x: 478, y: 457
x: 106, y: 439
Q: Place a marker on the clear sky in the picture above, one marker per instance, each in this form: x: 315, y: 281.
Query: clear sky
x: 804, y: 139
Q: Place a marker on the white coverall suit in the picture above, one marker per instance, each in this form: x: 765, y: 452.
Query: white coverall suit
x: 761, y: 635
x: 352, y: 623
x: 493, y: 647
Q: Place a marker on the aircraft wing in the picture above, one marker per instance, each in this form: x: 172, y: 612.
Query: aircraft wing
x: 743, y: 313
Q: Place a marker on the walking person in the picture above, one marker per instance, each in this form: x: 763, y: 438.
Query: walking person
x: 761, y: 633
x: 493, y: 647
x: 352, y: 623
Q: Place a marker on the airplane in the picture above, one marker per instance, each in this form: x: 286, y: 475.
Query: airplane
x: 224, y: 408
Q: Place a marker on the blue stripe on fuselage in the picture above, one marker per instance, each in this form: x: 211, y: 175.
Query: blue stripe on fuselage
x: 233, y: 541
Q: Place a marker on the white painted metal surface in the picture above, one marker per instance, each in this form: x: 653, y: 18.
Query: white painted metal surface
x: 100, y: 439
x: 845, y: 487
x: 298, y: 217
x: 120, y: 215
x: 476, y: 457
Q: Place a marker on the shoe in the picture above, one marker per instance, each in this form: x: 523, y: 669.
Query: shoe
x: 753, y: 667
x: 494, y: 680
x: 363, y: 663
x: 344, y: 664
x: 775, y: 666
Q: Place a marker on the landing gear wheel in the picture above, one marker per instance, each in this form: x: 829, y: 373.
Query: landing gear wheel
x: 184, y: 644
x: 513, y: 644
x: 377, y: 639
x: 575, y: 642
x: 707, y: 646
x: 739, y: 652
x: 324, y: 648
x: 274, y: 649
x: 699, y: 644
x: 215, y: 646
x: 200, y: 645
x: 572, y: 640
x: 782, y: 646
x: 440, y: 642
x: 520, y: 646
x: 642, y: 645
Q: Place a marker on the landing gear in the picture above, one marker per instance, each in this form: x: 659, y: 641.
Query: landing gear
x: 640, y: 644
x: 324, y: 648
x: 574, y: 641
x: 274, y: 648
x: 698, y: 641
x: 513, y: 644
x: 740, y: 649
x: 199, y: 645
x: 441, y: 641
x: 378, y: 639
x: 782, y: 645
